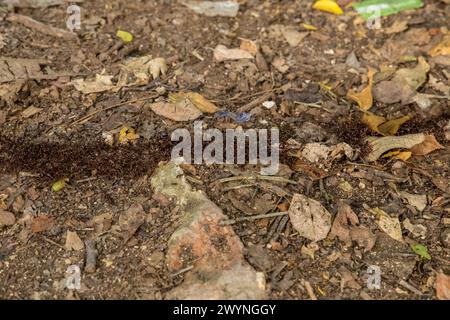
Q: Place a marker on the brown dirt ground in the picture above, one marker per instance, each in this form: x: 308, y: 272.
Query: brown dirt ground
x: 45, y: 147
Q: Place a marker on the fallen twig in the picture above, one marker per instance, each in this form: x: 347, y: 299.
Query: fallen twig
x: 411, y: 288
x: 255, y: 217
x: 41, y: 27
x: 91, y: 256
x: 92, y: 114
x: 270, y: 178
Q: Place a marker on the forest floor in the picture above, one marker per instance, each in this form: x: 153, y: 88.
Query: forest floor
x: 101, y: 139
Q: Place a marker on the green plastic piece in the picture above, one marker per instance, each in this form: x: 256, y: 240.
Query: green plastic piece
x: 370, y: 9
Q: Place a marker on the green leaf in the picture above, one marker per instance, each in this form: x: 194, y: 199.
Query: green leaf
x: 421, y: 250
x: 372, y: 8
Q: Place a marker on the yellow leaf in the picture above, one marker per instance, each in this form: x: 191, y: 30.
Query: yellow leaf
x: 328, y: 6
x: 124, y: 36
x: 309, y: 26
x: 364, y: 98
x: 200, y: 102
x: 126, y: 134
x: 325, y: 86
x: 390, y: 128
x: 405, y: 155
x: 391, y: 154
x: 372, y: 121
x: 59, y: 185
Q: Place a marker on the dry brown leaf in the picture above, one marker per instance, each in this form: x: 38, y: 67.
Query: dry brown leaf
x: 363, y: 237
x: 429, y: 145
x: 381, y: 145
x: 41, y: 223
x: 249, y: 46
x: 222, y: 53
x: 439, y: 86
x: 344, y: 219
x: 442, y: 48
x: 20, y: 69
x: 9, y: 91
x: 101, y: 223
x: 414, y: 77
x: 417, y: 200
x: 364, y: 98
x: 397, y: 26
x: 30, y: 111
x: 131, y: 220
x: 280, y: 64
x: 404, y: 84
x: 290, y: 34
x: 390, y: 225
x: 99, y: 84
x: 141, y: 70
x: 200, y: 102
x: 33, y: 3
x: 348, y: 279
x: 442, y: 286
x: 73, y: 241
x: 183, y: 110
x: 6, y: 218
x: 309, y: 217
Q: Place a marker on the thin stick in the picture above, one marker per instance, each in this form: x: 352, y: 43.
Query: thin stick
x: 52, y: 242
x: 182, y: 271
x: 42, y: 28
x: 309, y: 290
x: 269, y: 178
x: 411, y: 288
x: 92, y: 114
x: 255, y: 217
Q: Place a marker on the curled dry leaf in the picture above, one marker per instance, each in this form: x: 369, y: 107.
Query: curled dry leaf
x: 99, y: 84
x: 382, y: 126
x: 344, y: 219
x: 222, y: 53
x: 142, y: 69
x: 429, y: 145
x: 364, y: 98
x: 419, y: 144
x: 345, y: 227
x: 309, y: 217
